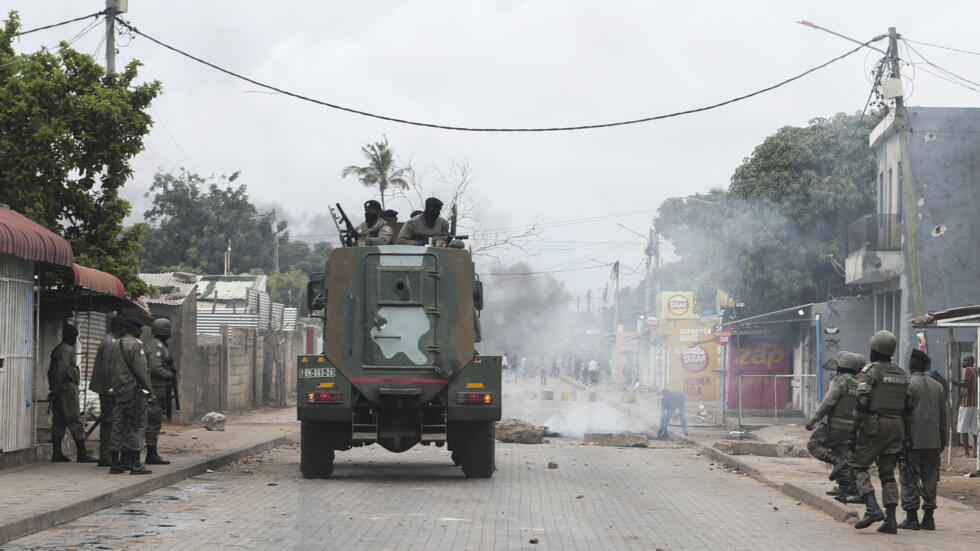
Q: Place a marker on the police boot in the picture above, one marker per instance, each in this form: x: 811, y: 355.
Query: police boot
x: 56, y: 455
x: 890, y: 526
x: 872, y: 513
x: 120, y: 463
x: 153, y: 458
x: 835, y: 491
x: 928, y: 523
x: 83, y: 455
x: 105, y: 460
x: 911, y: 521
x: 839, y: 465
x: 135, y: 467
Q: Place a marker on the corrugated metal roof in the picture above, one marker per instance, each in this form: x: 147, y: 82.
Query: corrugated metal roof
x: 174, y: 287
x: 24, y: 238
x: 229, y: 287
x: 98, y: 281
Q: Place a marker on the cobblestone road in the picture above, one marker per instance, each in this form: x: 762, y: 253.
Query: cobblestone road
x: 598, y: 498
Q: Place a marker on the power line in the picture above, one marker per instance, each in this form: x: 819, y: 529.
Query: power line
x: 941, y: 46
x: 477, y: 129
x: 944, y: 70
x: 96, y: 14
x: 549, y: 271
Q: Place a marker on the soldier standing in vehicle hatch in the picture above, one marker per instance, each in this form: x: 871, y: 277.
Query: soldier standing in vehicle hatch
x: 878, y: 430
x: 829, y: 442
x: 375, y: 230
x: 419, y: 229
x: 162, y: 375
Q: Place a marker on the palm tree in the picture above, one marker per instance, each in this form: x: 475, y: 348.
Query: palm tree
x: 381, y: 170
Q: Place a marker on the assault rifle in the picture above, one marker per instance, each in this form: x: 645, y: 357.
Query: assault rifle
x: 349, y: 234
x: 909, y: 470
x: 172, y: 399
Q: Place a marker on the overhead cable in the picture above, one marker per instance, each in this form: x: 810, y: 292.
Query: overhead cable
x: 490, y: 129
x: 941, y: 46
x: 96, y: 14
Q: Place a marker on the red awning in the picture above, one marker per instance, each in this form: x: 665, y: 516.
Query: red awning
x: 98, y: 281
x: 24, y: 238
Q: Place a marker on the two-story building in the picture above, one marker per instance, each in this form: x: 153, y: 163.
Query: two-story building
x: 919, y: 250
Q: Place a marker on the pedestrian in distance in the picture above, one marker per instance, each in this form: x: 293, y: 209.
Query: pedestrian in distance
x: 828, y: 443
x: 163, y: 375
x: 966, y: 422
x: 63, y: 381
x: 877, y: 434
x: 101, y: 383
x: 671, y: 403
x: 131, y: 382
x: 925, y: 439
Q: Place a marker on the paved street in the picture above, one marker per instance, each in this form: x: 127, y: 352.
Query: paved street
x: 598, y: 498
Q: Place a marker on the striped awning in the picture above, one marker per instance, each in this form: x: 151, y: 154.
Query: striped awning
x: 24, y: 238
x: 98, y: 281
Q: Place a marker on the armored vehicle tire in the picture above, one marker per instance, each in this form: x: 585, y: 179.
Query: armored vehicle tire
x: 315, y: 454
x: 477, y: 452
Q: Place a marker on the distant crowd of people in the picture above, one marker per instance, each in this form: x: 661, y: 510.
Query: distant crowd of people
x: 584, y: 368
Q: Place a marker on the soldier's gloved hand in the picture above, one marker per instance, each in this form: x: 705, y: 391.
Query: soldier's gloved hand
x: 852, y: 440
x: 809, y: 426
x: 152, y: 398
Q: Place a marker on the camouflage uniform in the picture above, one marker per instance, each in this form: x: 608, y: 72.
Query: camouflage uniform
x: 161, y: 367
x: 881, y: 431
x: 415, y: 230
x: 829, y: 442
x: 378, y: 233
x: 130, y: 378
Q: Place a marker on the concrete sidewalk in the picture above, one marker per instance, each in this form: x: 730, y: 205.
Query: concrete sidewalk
x: 42, y: 495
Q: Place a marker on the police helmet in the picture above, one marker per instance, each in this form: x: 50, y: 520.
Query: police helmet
x: 883, y: 342
x: 161, y: 327
x: 850, y: 361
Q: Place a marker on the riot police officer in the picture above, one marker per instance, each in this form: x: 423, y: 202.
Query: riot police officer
x: 876, y: 436
x: 101, y: 383
x: 162, y: 376
x: 63, y: 380
x: 375, y: 229
x: 829, y: 442
x: 131, y: 382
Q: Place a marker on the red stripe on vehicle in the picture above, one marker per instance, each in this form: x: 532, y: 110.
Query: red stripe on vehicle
x: 396, y: 380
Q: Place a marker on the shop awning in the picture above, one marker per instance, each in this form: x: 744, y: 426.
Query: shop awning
x: 98, y: 281
x: 24, y: 238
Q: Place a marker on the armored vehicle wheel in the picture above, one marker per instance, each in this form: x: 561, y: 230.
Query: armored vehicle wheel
x: 477, y: 453
x: 315, y: 454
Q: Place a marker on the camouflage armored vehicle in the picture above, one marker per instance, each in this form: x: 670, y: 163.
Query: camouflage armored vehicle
x: 399, y: 366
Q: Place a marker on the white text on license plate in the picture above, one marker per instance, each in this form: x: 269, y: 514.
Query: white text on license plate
x: 315, y: 372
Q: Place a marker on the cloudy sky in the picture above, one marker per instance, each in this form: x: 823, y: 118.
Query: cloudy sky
x: 502, y: 64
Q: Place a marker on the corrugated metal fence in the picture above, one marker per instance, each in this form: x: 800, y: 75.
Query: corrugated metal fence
x: 17, y: 338
x: 260, y: 313
x: 92, y: 327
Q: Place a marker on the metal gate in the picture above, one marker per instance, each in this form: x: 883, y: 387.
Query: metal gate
x: 16, y: 351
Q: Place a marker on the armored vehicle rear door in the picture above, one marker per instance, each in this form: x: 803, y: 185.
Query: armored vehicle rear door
x: 400, y: 311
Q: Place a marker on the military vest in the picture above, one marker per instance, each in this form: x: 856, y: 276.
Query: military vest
x: 842, y: 415
x: 888, y: 396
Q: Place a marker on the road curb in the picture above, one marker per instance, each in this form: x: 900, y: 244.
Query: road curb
x: 828, y: 505
x: 19, y: 527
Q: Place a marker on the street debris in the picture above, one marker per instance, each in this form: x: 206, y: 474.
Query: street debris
x: 552, y: 465
x: 214, y: 421
x: 516, y: 431
x: 533, y: 540
x: 622, y: 440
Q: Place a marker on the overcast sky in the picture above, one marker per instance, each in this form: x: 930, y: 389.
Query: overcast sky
x: 504, y: 63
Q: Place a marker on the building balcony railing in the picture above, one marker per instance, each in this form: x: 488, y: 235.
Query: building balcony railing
x: 876, y: 232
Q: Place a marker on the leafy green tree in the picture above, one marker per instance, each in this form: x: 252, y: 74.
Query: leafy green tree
x: 778, y: 236
x: 381, y: 171
x: 68, y: 133
x: 288, y: 288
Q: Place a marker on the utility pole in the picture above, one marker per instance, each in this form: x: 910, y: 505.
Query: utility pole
x: 645, y: 352
x: 905, y: 177
x: 616, y: 299
x: 112, y: 8
x: 275, y: 247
